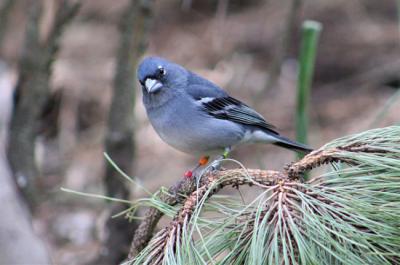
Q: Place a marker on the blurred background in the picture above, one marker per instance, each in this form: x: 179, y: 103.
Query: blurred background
x: 68, y: 93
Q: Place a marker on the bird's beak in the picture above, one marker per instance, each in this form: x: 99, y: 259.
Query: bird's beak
x: 152, y: 85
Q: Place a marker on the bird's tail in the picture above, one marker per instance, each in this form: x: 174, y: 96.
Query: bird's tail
x: 292, y: 145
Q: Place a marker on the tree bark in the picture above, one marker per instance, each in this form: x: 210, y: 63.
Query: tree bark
x: 4, y: 15
x: 19, y: 244
x: 119, y: 142
x: 31, y: 94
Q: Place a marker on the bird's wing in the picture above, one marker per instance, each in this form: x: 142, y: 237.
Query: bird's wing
x: 228, y: 108
x: 217, y: 103
x: 204, y: 89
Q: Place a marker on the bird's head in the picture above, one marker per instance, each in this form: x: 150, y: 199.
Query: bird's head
x: 156, y: 74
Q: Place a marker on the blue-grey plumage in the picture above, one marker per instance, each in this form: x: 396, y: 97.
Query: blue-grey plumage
x: 196, y: 116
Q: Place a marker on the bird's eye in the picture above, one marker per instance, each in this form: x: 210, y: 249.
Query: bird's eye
x: 161, y: 72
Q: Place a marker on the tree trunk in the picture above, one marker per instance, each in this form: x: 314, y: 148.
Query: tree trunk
x: 31, y: 94
x: 119, y: 142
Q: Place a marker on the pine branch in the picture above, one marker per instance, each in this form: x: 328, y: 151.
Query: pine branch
x: 152, y: 216
x: 185, y: 187
x: 331, y: 154
x: 346, y: 216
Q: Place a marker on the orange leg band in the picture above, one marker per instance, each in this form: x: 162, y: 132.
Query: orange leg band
x: 203, y: 160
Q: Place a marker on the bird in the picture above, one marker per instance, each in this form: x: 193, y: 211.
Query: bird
x: 196, y: 116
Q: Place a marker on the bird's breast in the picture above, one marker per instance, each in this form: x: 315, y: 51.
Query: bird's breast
x: 170, y: 121
x: 182, y: 125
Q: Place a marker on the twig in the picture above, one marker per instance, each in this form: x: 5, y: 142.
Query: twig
x: 66, y: 11
x: 326, y: 156
x: 310, y: 161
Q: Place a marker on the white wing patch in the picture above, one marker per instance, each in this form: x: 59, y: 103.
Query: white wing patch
x: 205, y: 100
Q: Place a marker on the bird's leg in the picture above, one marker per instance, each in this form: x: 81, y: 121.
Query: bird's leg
x: 217, y: 162
x: 226, y: 153
x: 202, y: 161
